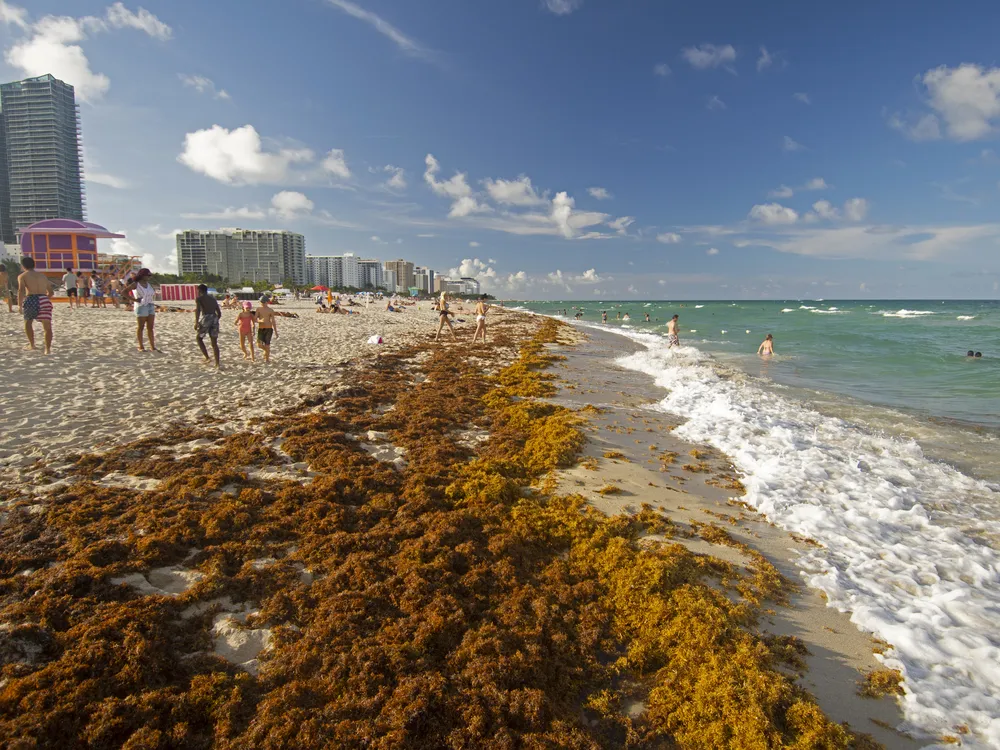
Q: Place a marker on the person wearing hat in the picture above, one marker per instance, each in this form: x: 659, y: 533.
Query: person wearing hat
x: 267, y: 326
x: 206, y: 321
x: 246, y: 321
x: 144, y: 297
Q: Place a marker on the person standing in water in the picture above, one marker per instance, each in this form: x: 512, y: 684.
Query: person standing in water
x: 34, y: 297
x: 766, y: 349
x: 144, y: 297
x: 481, y: 309
x: 267, y: 326
x: 207, y: 315
x: 673, y: 337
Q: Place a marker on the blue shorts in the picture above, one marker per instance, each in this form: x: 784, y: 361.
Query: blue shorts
x: 145, y: 311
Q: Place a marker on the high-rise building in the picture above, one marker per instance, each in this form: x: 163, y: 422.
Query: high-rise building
x: 370, y: 273
x: 404, y: 273
x: 334, y: 270
x: 243, y: 255
x: 423, y: 279
x: 41, y: 165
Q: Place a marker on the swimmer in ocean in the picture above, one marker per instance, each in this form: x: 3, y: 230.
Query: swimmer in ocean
x: 766, y: 349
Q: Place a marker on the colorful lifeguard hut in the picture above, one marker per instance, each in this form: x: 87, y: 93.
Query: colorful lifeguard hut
x: 56, y: 244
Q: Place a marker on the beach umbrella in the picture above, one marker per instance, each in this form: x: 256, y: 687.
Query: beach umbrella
x: 319, y: 289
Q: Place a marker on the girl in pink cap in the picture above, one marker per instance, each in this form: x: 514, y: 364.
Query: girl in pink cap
x: 246, y: 321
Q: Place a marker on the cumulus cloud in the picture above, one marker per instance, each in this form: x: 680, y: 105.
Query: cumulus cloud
x: 621, y: 224
x: 289, y: 204
x: 519, y: 192
x: 706, y: 56
x: 712, y: 251
x: 398, y: 179
x: 816, y: 183
x: 335, y: 164
x: 561, y: 7
x: 476, y: 244
x: 966, y: 97
x: 473, y: 268
x: 782, y: 192
x: 238, y: 157
x: 590, y: 276
x: 856, y: 209
x: 601, y: 194
x: 52, y: 44
x: 661, y: 69
x: 790, y: 144
x: 456, y: 188
x: 668, y: 238
x: 773, y: 214
x: 825, y: 210
x: 204, y: 85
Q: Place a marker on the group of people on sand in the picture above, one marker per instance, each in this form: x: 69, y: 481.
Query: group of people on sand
x: 445, y: 315
x: 263, y: 321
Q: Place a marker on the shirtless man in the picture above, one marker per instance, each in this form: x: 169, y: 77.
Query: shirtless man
x: 267, y: 326
x: 5, y: 288
x: 206, y: 321
x: 114, y: 289
x: 34, y: 297
x: 673, y: 338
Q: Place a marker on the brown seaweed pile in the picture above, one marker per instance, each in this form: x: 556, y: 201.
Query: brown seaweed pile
x: 450, y: 604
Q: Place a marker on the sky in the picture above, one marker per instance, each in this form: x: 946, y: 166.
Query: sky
x: 555, y: 149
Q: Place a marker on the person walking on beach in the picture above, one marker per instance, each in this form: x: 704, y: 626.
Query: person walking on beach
x: 207, y: 315
x: 267, y: 326
x: 34, y: 297
x: 444, y: 317
x: 673, y: 338
x: 481, y: 309
x: 245, y: 322
x: 70, y: 280
x: 145, y: 307
x: 767, y: 348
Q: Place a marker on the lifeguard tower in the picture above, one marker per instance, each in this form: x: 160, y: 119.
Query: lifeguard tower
x: 56, y: 244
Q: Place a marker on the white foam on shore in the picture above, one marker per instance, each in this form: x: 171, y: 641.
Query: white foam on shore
x: 894, y: 554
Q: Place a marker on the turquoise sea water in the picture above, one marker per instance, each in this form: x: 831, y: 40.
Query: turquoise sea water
x: 908, y: 357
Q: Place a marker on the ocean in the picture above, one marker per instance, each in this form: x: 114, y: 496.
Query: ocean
x: 871, y: 432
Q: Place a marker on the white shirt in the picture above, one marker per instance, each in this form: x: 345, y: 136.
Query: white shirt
x: 70, y: 280
x: 144, y: 295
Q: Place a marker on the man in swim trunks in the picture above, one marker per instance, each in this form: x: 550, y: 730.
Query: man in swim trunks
x: 267, y: 326
x: 206, y: 321
x: 672, y: 337
x: 71, y: 281
x: 34, y: 297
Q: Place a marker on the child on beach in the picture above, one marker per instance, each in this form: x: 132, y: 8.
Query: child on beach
x: 246, y: 321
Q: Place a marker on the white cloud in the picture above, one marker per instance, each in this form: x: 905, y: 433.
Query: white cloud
x: 926, y: 128
x: 712, y: 251
x: 456, y: 188
x: 291, y: 205
x: 709, y: 55
x: 662, y: 282
x: 590, y: 276
x: 519, y: 192
x: 476, y: 244
x: 966, y: 97
x: 621, y: 224
x: 407, y: 44
x: 237, y: 157
x: 335, y: 164
x: 773, y: 213
x: 825, y: 210
x: 856, y: 209
x: 426, y: 236
x: 562, y: 209
x: 715, y: 103
x: 245, y: 213
x: 398, y: 179
x: 802, y: 97
x: 375, y: 238
x: 816, y: 183
x: 473, y: 268
x: 782, y: 192
x: 661, y: 69
x: 204, y: 85
x: 668, y: 238
x: 601, y: 194
x: 120, y: 17
x: 765, y: 60
x: 790, y: 144
x: 52, y: 44
x: 561, y: 7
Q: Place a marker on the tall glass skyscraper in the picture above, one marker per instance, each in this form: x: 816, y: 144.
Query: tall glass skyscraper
x: 41, y: 154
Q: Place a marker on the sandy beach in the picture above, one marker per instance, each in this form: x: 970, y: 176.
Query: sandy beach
x: 417, y: 542
x: 96, y: 390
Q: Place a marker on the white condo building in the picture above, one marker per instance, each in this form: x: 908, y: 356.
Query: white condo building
x: 333, y: 270
x: 239, y: 255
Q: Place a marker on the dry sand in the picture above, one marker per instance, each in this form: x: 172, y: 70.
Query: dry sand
x: 96, y: 390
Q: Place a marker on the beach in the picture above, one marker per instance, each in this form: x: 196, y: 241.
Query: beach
x: 420, y: 544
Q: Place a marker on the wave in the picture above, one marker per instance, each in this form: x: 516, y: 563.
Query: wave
x: 698, y: 307
x: 831, y: 311
x: 966, y: 317
x: 905, y: 313
x: 788, y: 309
x: 806, y: 307
x: 875, y: 503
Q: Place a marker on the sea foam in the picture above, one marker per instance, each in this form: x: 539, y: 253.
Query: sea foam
x: 875, y: 504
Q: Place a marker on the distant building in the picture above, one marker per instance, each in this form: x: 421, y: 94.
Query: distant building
x: 404, y: 273
x: 390, y: 283
x: 371, y: 274
x: 40, y: 155
x: 424, y: 279
x: 464, y: 287
x: 333, y: 270
x: 243, y: 255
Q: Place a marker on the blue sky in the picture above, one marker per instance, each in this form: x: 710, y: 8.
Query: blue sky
x: 553, y: 148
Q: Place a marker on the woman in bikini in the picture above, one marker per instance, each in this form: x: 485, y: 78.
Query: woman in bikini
x: 481, y: 309
x: 246, y: 321
x: 444, y: 317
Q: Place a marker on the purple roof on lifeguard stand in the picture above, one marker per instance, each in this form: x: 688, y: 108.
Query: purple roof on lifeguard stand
x: 70, y: 226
